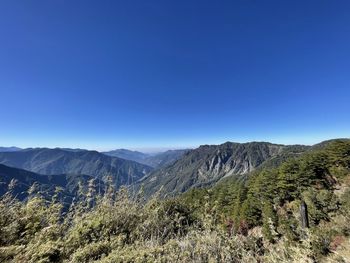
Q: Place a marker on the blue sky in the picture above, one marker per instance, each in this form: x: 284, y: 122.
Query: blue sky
x: 143, y: 74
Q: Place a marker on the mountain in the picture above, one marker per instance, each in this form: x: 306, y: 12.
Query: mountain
x: 72, y: 149
x: 154, y: 160
x: 164, y: 158
x: 58, y: 161
x: 9, y: 149
x: 128, y: 155
x: 19, y: 182
x: 209, y: 163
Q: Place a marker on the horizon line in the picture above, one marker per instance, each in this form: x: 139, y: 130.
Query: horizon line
x: 155, y: 149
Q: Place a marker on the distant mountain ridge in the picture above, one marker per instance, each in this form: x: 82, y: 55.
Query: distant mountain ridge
x: 59, y: 161
x: 128, y: 155
x: 155, y: 160
x: 177, y: 170
x: 210, y: 163
x: 9, y: 149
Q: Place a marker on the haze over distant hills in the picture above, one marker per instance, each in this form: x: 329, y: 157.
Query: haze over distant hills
x: 59, y: 161
x: 127, y: 154
x: 155, y: 160
x: 9, y: 149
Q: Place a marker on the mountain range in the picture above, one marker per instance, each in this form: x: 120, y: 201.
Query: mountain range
x: 208, y: 164
x: 9, y: 149
x: 154, y: 160
x: 169, y: 173
x: 58, y: 161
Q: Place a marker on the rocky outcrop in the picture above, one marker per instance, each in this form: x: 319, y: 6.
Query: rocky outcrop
x: 210, y: 163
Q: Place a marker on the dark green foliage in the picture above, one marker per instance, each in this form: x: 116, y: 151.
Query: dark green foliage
x: 320, y: 204
x: 309, y: 177
x: 250, y: 212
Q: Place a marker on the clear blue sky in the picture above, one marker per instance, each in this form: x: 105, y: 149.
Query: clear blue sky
x: 140, y: 74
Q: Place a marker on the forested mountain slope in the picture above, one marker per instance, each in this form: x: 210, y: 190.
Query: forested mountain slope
x: 271, y: 198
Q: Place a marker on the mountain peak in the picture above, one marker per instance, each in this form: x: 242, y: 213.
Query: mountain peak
x: 209, y: 163
x: 10, y: 149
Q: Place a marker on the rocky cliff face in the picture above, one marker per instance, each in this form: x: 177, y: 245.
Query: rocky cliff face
x: 230, y: 159
x: 210, y: 163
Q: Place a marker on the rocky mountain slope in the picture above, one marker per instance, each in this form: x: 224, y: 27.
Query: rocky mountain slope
x: 210, y: 163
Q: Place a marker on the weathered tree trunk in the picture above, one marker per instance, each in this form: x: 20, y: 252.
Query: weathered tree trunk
x: 304, y: 215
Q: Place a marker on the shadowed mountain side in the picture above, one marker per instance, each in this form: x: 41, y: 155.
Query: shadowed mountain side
x: 58, y: 161
x: 20, y: 183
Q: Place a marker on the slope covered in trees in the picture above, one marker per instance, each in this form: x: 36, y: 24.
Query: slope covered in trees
x: 271, y: 198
